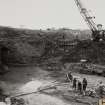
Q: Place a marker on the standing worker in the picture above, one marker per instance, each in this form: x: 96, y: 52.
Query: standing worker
x: 84, y: 83
x: 79, y: 86
x: 69, y: 77
x: 74, y: 83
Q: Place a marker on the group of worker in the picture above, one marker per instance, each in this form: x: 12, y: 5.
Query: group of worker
x: 77, y: 84
x: 81, y: 86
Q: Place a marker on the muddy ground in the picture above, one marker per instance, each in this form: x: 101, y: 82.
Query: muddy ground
x: 28, y: 79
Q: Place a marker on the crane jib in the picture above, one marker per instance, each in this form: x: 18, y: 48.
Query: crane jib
x: 86, y: 16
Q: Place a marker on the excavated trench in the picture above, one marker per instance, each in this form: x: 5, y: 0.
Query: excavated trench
x: 26, y: 80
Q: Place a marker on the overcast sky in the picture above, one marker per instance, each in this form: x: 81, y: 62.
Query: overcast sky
x: 48, y: 13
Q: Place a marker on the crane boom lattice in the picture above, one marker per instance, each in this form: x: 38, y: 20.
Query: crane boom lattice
x: 86, y: 16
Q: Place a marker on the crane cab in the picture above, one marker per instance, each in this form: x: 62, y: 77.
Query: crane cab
x: 99, y: 34
x: 99, y: 27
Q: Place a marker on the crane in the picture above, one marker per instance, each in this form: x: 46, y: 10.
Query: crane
x: 96, y: 34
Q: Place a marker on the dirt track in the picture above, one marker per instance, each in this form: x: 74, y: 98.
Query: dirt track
x: 17, y: 78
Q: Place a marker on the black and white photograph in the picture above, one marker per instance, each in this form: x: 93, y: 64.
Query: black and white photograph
x: 52, y: 52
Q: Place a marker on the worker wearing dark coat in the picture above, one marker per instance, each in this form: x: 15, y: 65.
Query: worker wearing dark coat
x: 75, y: 83
x: 84, y: 82
x: 79, y: 86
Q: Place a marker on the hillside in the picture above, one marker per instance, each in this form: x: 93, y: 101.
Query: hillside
x: 32, y: 46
